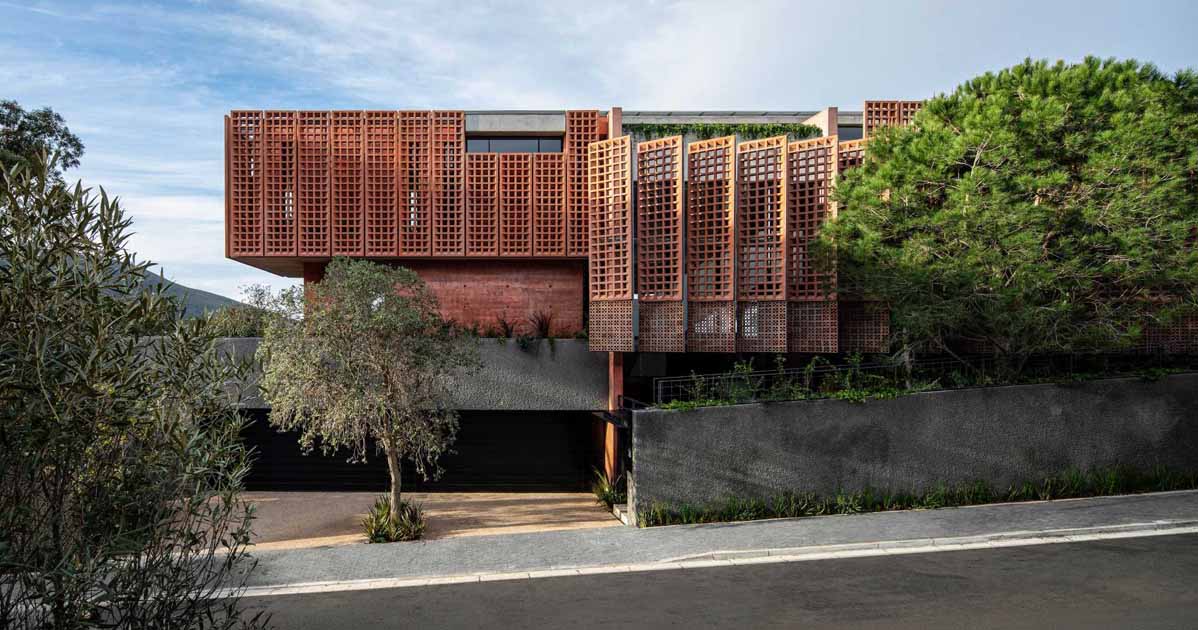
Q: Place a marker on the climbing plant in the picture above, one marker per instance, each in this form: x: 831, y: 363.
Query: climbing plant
x: 704, y: 131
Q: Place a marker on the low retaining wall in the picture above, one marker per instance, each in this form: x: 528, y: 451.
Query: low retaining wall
x: 1001, y: 435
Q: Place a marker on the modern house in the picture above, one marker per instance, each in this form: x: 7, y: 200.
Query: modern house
x: 672, y: 239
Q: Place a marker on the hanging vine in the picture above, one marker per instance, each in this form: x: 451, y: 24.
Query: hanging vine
x: 705, y: 131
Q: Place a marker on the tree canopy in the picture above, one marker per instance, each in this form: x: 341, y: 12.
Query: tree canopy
x: 26, y: 134
x: 363, y: 359
x: 1042, y: 208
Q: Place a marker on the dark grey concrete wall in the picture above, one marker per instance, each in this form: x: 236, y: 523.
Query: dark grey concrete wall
x: 1002, y: 435
x: 563, y: 376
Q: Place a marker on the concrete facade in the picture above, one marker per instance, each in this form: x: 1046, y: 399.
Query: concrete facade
x: 562, y: 376
x: 1001, y: 435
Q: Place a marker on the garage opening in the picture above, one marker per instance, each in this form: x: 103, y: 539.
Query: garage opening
x: 533, y: 451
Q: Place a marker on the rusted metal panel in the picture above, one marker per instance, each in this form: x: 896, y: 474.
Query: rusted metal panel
x: 348, y: 199
x: 415, y: 183
x: 245, y: 183
x: 515, y: 204
x: 482, y: 204
x: 882, y: 113
x: 382, y: 228
x: 278, y: 187
x: 314, y: 183
x: 582, y: 128
x: 549, y: 199
x: 448, y: 164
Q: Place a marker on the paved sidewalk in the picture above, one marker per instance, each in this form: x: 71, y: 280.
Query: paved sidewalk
x: 547, y: 551
x: 291, y: 520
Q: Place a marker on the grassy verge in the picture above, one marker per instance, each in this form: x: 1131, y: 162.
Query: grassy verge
x: 1070, y: 484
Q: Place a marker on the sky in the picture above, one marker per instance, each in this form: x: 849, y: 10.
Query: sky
x: 145, y: 85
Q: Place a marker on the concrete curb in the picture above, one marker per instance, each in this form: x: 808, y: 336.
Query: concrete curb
x: 761, y: 556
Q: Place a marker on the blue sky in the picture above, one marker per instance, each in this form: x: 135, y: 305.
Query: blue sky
x: 145, y: 84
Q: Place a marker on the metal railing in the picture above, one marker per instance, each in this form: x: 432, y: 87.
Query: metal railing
x: 824, y: 379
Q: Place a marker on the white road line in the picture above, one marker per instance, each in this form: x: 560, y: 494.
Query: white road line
x: 754, y: 557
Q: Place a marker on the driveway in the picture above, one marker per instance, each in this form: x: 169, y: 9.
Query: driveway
x: 312, y: 519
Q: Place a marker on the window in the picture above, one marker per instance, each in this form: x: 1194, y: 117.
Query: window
x: 844, y: 133
x: 513, y: 144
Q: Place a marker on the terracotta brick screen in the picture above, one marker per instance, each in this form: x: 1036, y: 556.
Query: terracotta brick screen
x: 881, y: 113
x: 711, y: 245
x: 415, y: 183
x: 314, y: 189
x: 659, y: 237
x: 448, y: 138
x: 244, y: 148
x: 279, y: 185
x: 582, y: 128
x: 482, y: 204
x: 812, y: 316
x: 609, y: 186
x: 761, y: 250
x: 864, y: 326
x: 549, y: 204
x: 381, y: 195
x: 515, y: 204
x: 347, y: 184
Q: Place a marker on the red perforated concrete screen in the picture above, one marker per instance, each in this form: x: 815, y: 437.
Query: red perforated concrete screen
x: 811, y: 169
x: 610, y: 200
x: 549, y: 204
x: 710, y: 220
x: 314, y: 189
x: 245, y: 149
x: 347, y: 184
x: 761, y: 219
x: 482, y: 204
x: 711, y: 245
x: 659, y: 235
x: 582, y: 128
x: 448, y: 164
x: 415, y: 183
x: 382, y: 227
x: 279, y: 184
x: 881, y: 113
x: 515, y: 204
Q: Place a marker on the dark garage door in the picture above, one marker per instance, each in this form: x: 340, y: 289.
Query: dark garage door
x: 495, y: 450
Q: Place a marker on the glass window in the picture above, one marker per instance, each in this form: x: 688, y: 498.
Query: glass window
x: 513, y: 145
x: 478, y: 145
x: 549, y: 145
x: 845, y: 133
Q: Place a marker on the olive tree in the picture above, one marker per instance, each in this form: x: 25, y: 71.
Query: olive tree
x: 361, y: 360
x: 120, y: 457
x: 1044, y: 208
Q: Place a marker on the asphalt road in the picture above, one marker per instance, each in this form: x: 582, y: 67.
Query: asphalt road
x: 1138, y: 583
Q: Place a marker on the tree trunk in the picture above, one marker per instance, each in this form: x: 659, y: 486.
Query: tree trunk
x: 396, y: 473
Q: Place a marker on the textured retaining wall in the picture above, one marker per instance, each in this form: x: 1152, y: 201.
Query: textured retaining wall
x: 563, y: 377
x: 1001, y: 435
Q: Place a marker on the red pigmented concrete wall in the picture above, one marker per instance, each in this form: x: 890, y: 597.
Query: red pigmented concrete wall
x: 480, y: 291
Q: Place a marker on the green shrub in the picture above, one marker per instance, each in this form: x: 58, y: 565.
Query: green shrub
x: 1072, y: 483
x: 238, y: 321
x: 609, y: 492
x: 381, y: 528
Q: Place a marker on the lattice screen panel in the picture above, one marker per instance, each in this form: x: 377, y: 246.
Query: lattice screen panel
x: 382, y: 227
x: 813, y: 326
x: 761, y: 326
x: 515, y: 204
x: 711, y: 326
x: 661, y: 327
x: 314, y: 189
x: 278, y: 199
x: 811, y: 170
x: 881, y: 113
x: 659, y: 220
x: 549, y: 204
x: 482, y: 204
x: 245, y: 183
x: 415, y: 183
x: 347, y: 183
x: 710, y: 221
x: 609, y: 186
x: 582, y: 128
x: 761, y: 220
x: 1178, y: 337
x: 864, y: 326
x: 849, y: 154
x: 610, y: 326
x: 448, y: 154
